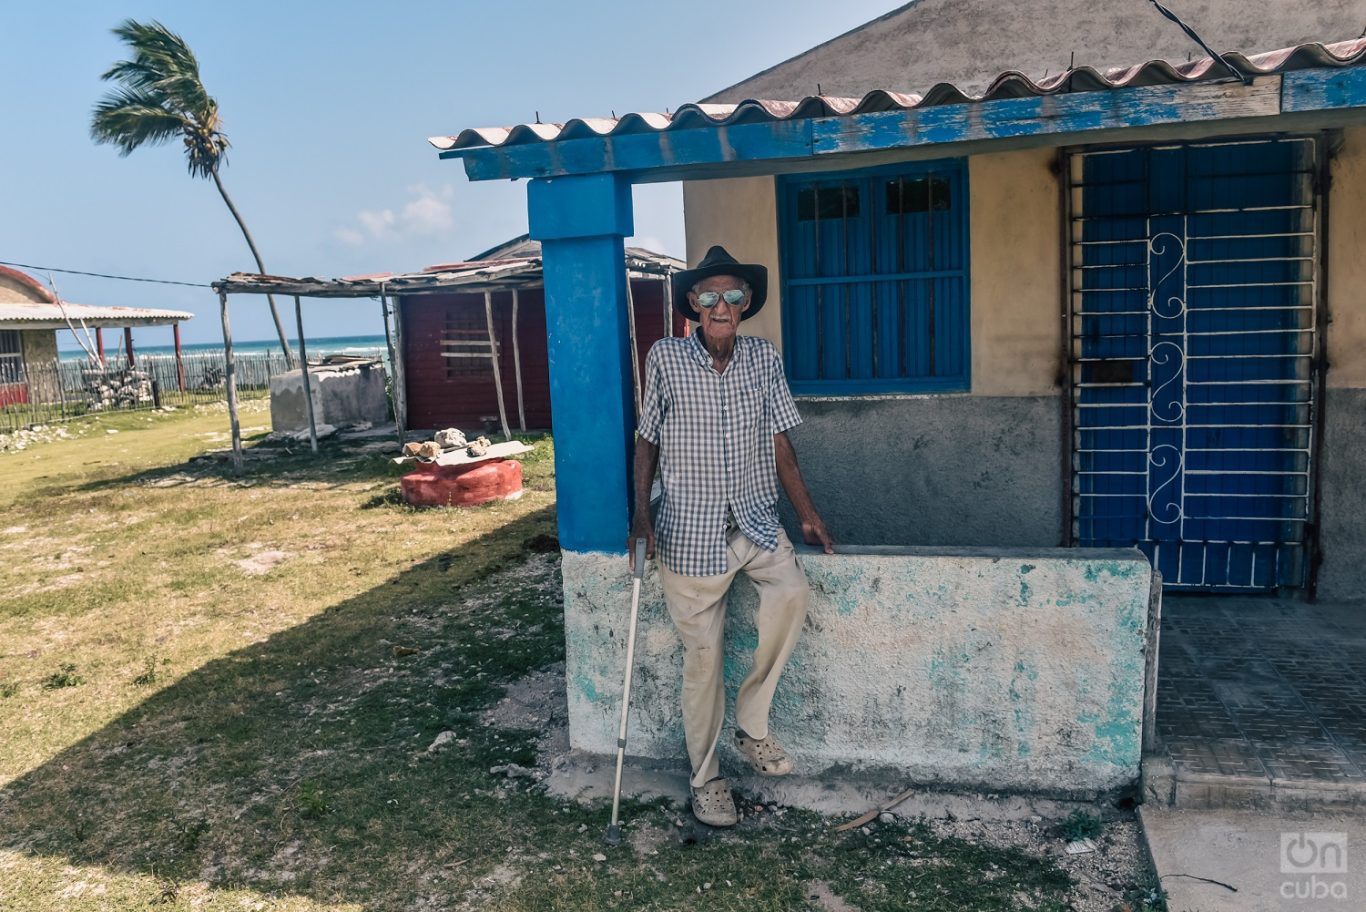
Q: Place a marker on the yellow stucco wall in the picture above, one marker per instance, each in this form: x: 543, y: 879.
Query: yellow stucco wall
x: 1014, y: 221
x: 1015, y: 224
x: 1346, y: 248
x: 39, y: 345
x: 12, y: 291
x: 740, y: 214
x: 40, y: 352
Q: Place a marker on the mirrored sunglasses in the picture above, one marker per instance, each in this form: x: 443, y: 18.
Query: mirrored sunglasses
x: 710, y: 299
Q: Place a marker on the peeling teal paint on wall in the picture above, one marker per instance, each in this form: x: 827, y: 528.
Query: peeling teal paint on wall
x: 585, y: 686
x: 989, y: 751
x: 1025, y: 590
x: 1022, y: 695
x: 1118, y: 737
x: 1093, y: 571
x: 946, y: 672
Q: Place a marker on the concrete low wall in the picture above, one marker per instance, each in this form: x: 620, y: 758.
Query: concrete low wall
x: 342, y: 396
x: 1018, y: 670
x: 976, y: 471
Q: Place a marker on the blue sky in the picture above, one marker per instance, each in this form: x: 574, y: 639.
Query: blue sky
x: 328, y: 107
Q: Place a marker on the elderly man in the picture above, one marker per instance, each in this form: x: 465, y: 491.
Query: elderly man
x: 714, y: 420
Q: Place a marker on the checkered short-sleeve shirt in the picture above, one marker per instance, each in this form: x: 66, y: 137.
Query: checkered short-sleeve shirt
x: 715, y: 438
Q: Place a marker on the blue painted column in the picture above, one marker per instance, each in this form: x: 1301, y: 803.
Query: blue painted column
x: 582, y: 222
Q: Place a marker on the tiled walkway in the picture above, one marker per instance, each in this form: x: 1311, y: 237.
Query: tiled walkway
x: 1266, y: 689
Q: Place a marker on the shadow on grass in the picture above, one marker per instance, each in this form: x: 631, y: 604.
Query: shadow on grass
x: 299, y: 764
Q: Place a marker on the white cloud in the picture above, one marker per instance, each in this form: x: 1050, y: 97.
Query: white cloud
x: 426, y: 213
x: 349, y: 236
x: 377, y: 223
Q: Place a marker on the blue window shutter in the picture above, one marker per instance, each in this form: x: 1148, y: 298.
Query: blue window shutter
x: 875, y: 279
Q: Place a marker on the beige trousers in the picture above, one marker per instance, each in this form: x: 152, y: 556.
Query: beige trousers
x: 697, y: 605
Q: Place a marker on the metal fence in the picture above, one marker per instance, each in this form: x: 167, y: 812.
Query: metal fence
x: 49, y: 392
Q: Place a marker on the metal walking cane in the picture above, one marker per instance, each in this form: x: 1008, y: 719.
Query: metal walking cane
x: 613, y: 835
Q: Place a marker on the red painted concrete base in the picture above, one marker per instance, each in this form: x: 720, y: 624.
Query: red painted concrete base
x: 462, y: 485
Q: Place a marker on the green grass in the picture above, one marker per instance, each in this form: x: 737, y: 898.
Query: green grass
x: 64, y: 676
x: 259, y: 740
x: 1081, y: 824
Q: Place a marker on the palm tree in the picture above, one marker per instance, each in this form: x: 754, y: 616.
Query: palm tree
x: 160, y: 98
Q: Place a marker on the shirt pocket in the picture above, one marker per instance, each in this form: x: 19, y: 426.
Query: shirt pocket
x: 748, y: 409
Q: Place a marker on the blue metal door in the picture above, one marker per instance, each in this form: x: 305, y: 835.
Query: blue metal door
x: 1194, y: 277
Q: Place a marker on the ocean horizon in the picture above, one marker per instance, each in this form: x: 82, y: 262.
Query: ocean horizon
x: 329, y: 345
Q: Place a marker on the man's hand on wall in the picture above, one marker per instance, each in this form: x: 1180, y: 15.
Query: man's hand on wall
x: 815, y: 533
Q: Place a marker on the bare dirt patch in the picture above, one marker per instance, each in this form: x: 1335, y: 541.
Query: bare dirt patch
x: 261, y: 563
x: 826, y: 899
x: 1102, y: 877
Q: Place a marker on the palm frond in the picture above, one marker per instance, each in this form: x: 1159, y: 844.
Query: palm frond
x: 129, y: 119
x: 186, y: 94
x: 161, y: 60
x: 160, y: 97
x: 135, y: 74
x: 155, y: 42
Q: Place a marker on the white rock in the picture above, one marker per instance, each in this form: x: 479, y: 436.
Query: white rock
x: 440, y: 741
x: 598, y: 856
x: 1081, y: 847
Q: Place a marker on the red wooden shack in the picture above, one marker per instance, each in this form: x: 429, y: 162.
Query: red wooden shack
x: 448, y: 377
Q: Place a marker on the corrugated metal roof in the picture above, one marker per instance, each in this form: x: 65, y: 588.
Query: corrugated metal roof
x: 37, y: 315
x: 1009, y: 84
x: 479, y: 275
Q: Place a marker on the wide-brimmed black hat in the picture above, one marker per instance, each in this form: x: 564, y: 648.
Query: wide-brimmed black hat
x: 719, y: 262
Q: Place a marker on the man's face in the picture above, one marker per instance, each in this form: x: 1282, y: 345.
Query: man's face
x: 721, y: 321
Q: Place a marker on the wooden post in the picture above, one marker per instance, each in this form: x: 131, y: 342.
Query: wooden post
x: 400, y: 371
x: 635, y: 352
x: 179, y: 359
x: 99, y: 343
x: 308, y: 384
x: 393, y: 361
x: 230, y: 383
x: 128, y: 345
x: 517, y: 365
x: 668, y: 303
x: 61, y: 385
x: 493, y: 358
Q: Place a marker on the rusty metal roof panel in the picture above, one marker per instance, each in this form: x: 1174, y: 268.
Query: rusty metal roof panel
x: 43, y: 315
x: 1009, y: 84
x: 479, y: 275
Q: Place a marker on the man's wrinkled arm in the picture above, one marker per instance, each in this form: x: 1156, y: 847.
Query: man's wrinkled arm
x: 646, y: 462
x: 813, y: 527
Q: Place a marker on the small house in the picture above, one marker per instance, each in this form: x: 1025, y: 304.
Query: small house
x: 30, y: 318
x: 1068, y: 299
x: 448, y: 379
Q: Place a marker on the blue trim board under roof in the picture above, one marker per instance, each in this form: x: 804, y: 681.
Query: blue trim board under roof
x: 810, y: 139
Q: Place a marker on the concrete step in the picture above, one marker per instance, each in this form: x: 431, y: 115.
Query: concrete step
x: 1256, y: 861
x: 1165, y: 786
